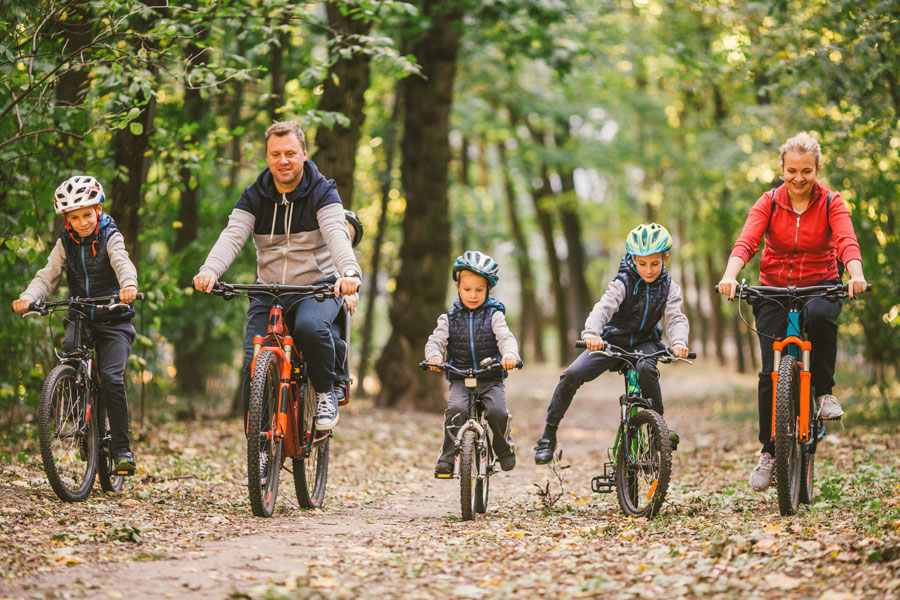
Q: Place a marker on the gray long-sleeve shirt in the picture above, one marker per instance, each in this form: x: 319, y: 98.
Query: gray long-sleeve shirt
x: 46, y: 280
x: 506, y: 340
x: 676, y: 322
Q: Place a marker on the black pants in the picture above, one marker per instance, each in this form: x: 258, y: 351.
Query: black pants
x: 588, y: 367
x: 818, y: 319
x: 112, y: 345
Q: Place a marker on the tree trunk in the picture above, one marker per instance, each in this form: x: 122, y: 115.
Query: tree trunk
x: 699, y: 288
x: 545, y: 224
x: 425, y: 253
x: 529, y: 320
x: 276, y: 66
x: 390, y: 140
x: 715, y: 300
x: 344, y: 92
x: 77, y: 28
x: 571, y: 223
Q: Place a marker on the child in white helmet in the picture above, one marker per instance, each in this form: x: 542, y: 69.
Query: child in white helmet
x: 91, y: 252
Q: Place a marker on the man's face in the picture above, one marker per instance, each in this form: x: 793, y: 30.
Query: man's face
x: 83, y: 220
x: 472, y: 289
x: 285, y: 156
x: 649, y: 267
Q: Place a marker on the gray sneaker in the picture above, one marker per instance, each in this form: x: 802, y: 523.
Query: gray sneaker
x: 829, y: 407
x: 326, y: 411
x: 761, y: 476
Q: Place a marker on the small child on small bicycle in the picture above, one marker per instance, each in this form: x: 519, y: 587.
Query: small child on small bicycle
x: 628, y: 316
x: 91, y: 251
x: 475, y: 329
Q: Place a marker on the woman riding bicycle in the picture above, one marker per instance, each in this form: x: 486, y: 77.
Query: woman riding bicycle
x: 808, y: 238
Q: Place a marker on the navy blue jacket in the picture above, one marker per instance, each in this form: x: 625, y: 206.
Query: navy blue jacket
x: 638, y: 318
x: 472, y: 338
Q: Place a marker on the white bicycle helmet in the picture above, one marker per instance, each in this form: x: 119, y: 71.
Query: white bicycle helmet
x: 77, y: 192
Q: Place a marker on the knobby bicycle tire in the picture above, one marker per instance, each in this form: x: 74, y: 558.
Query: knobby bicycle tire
x: 311, y: 472
x: 807, y: 455
x: 482, y: 486
x: 68, y: 441
x: 106, y: 462
x: 642, y: 477
x: 264, y: 451
x: 468, y: 474
x: 788, y: 471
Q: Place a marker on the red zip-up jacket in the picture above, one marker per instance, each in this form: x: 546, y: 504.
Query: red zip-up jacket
x: 801, y: 249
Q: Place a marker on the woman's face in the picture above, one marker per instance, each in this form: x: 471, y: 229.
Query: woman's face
x: 799, y: 172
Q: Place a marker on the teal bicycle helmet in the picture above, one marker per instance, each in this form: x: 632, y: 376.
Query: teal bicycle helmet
x: 480, y: 264
x: 645, y: 240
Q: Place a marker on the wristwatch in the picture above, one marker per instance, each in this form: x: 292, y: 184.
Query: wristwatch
x: 352, y: 273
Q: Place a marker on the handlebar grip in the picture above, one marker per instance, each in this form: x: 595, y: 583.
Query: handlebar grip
x: 520, y: 364
x: 692, y: 355
x: 581, y: 344
x: 140, y: 296
x: 868, y: 287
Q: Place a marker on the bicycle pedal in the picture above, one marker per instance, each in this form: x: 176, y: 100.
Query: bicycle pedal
x: 601, y: 484
x: 443, y: 475
x: 124, y: 472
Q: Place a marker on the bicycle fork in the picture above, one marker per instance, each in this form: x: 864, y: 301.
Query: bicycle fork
x: 795, y: 346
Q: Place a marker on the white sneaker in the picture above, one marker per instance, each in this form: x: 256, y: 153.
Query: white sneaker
x: 761, y: 476
x: 327, y: 411
x: 829, y: 407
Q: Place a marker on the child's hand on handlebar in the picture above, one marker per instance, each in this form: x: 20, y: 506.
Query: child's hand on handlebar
x: 128, y: 294
x: 509, y: 362
x: 435, y: 361
x: 594, y: 342
x: 21, y: 305
x: 680, y: 351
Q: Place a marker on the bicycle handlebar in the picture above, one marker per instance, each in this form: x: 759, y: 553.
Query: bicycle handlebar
x: 747, y: 291
x: 42, y: 308
x: 666, y: 355
x: 232, y: 290
x: 494, y: 366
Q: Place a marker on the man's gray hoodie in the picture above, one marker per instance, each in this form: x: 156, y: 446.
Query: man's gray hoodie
x: 300, y: 237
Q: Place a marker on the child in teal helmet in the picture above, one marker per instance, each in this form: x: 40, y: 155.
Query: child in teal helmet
x: 628, y: 315
x: 474, y: 329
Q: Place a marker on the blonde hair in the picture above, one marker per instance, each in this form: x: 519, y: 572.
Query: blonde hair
x: 802, y: 143
x: 282, y: 128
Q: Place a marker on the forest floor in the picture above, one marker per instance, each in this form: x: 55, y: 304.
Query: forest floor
x: 182, y: 526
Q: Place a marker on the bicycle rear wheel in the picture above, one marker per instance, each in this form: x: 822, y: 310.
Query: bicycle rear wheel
x: 642, y: 473
x: 311, y: 472
x: 468, y: 475
x: 788, y: 467
x: 264, y: 450
x: 68, y: 436
x: 482, y: 485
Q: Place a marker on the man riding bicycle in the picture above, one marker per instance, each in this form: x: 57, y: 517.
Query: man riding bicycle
x: 300, y: 234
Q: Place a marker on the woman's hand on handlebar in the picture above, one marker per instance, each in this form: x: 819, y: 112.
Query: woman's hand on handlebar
x: 727, y: 287
x: 435, y: 360
x: 204, y: 282
x: 593, y: 342
x: 680, y: 351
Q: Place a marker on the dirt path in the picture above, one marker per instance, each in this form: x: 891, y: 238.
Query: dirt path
x: 389, y: 529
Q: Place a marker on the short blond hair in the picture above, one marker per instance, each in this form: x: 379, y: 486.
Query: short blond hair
x: 282, y: 128
x: 802, y: 143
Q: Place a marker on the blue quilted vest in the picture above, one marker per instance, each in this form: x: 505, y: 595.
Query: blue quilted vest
x: 472, y: 337
x: 88, y: 270
x: 638, y: 317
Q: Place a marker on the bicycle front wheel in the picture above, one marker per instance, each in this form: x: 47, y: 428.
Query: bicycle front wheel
x: 482, y: 485
x: 788, y: 468
x: 264, y: 449
x: 468, y: 475
x: 311, y: 472
x: 643, y: 465
x: 68, y: 435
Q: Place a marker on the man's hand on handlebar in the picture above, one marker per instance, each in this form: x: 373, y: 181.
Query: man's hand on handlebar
x: 350, y: 302
x: 680, y: 351
x: 347, y: 286
x: 594, y: 342
x: 204, y: 282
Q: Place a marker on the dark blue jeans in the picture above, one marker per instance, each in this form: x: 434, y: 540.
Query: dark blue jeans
x: 588, y: 367
x: 112, y: 345
x: 819, y: 321
x: 311, y: 327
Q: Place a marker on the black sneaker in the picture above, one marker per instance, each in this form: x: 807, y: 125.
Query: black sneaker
x: 124, y: 462
x: 673, y: 440
x: 443, y: 469
x: 508, y: 463
x: 543, y: 452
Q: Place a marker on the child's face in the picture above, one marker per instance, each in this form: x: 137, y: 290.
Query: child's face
x: 83, y: 220
x: 649, y: 267
x: 472, y: 289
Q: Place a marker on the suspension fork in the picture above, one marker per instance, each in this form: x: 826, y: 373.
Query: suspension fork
x: 800, y: 349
